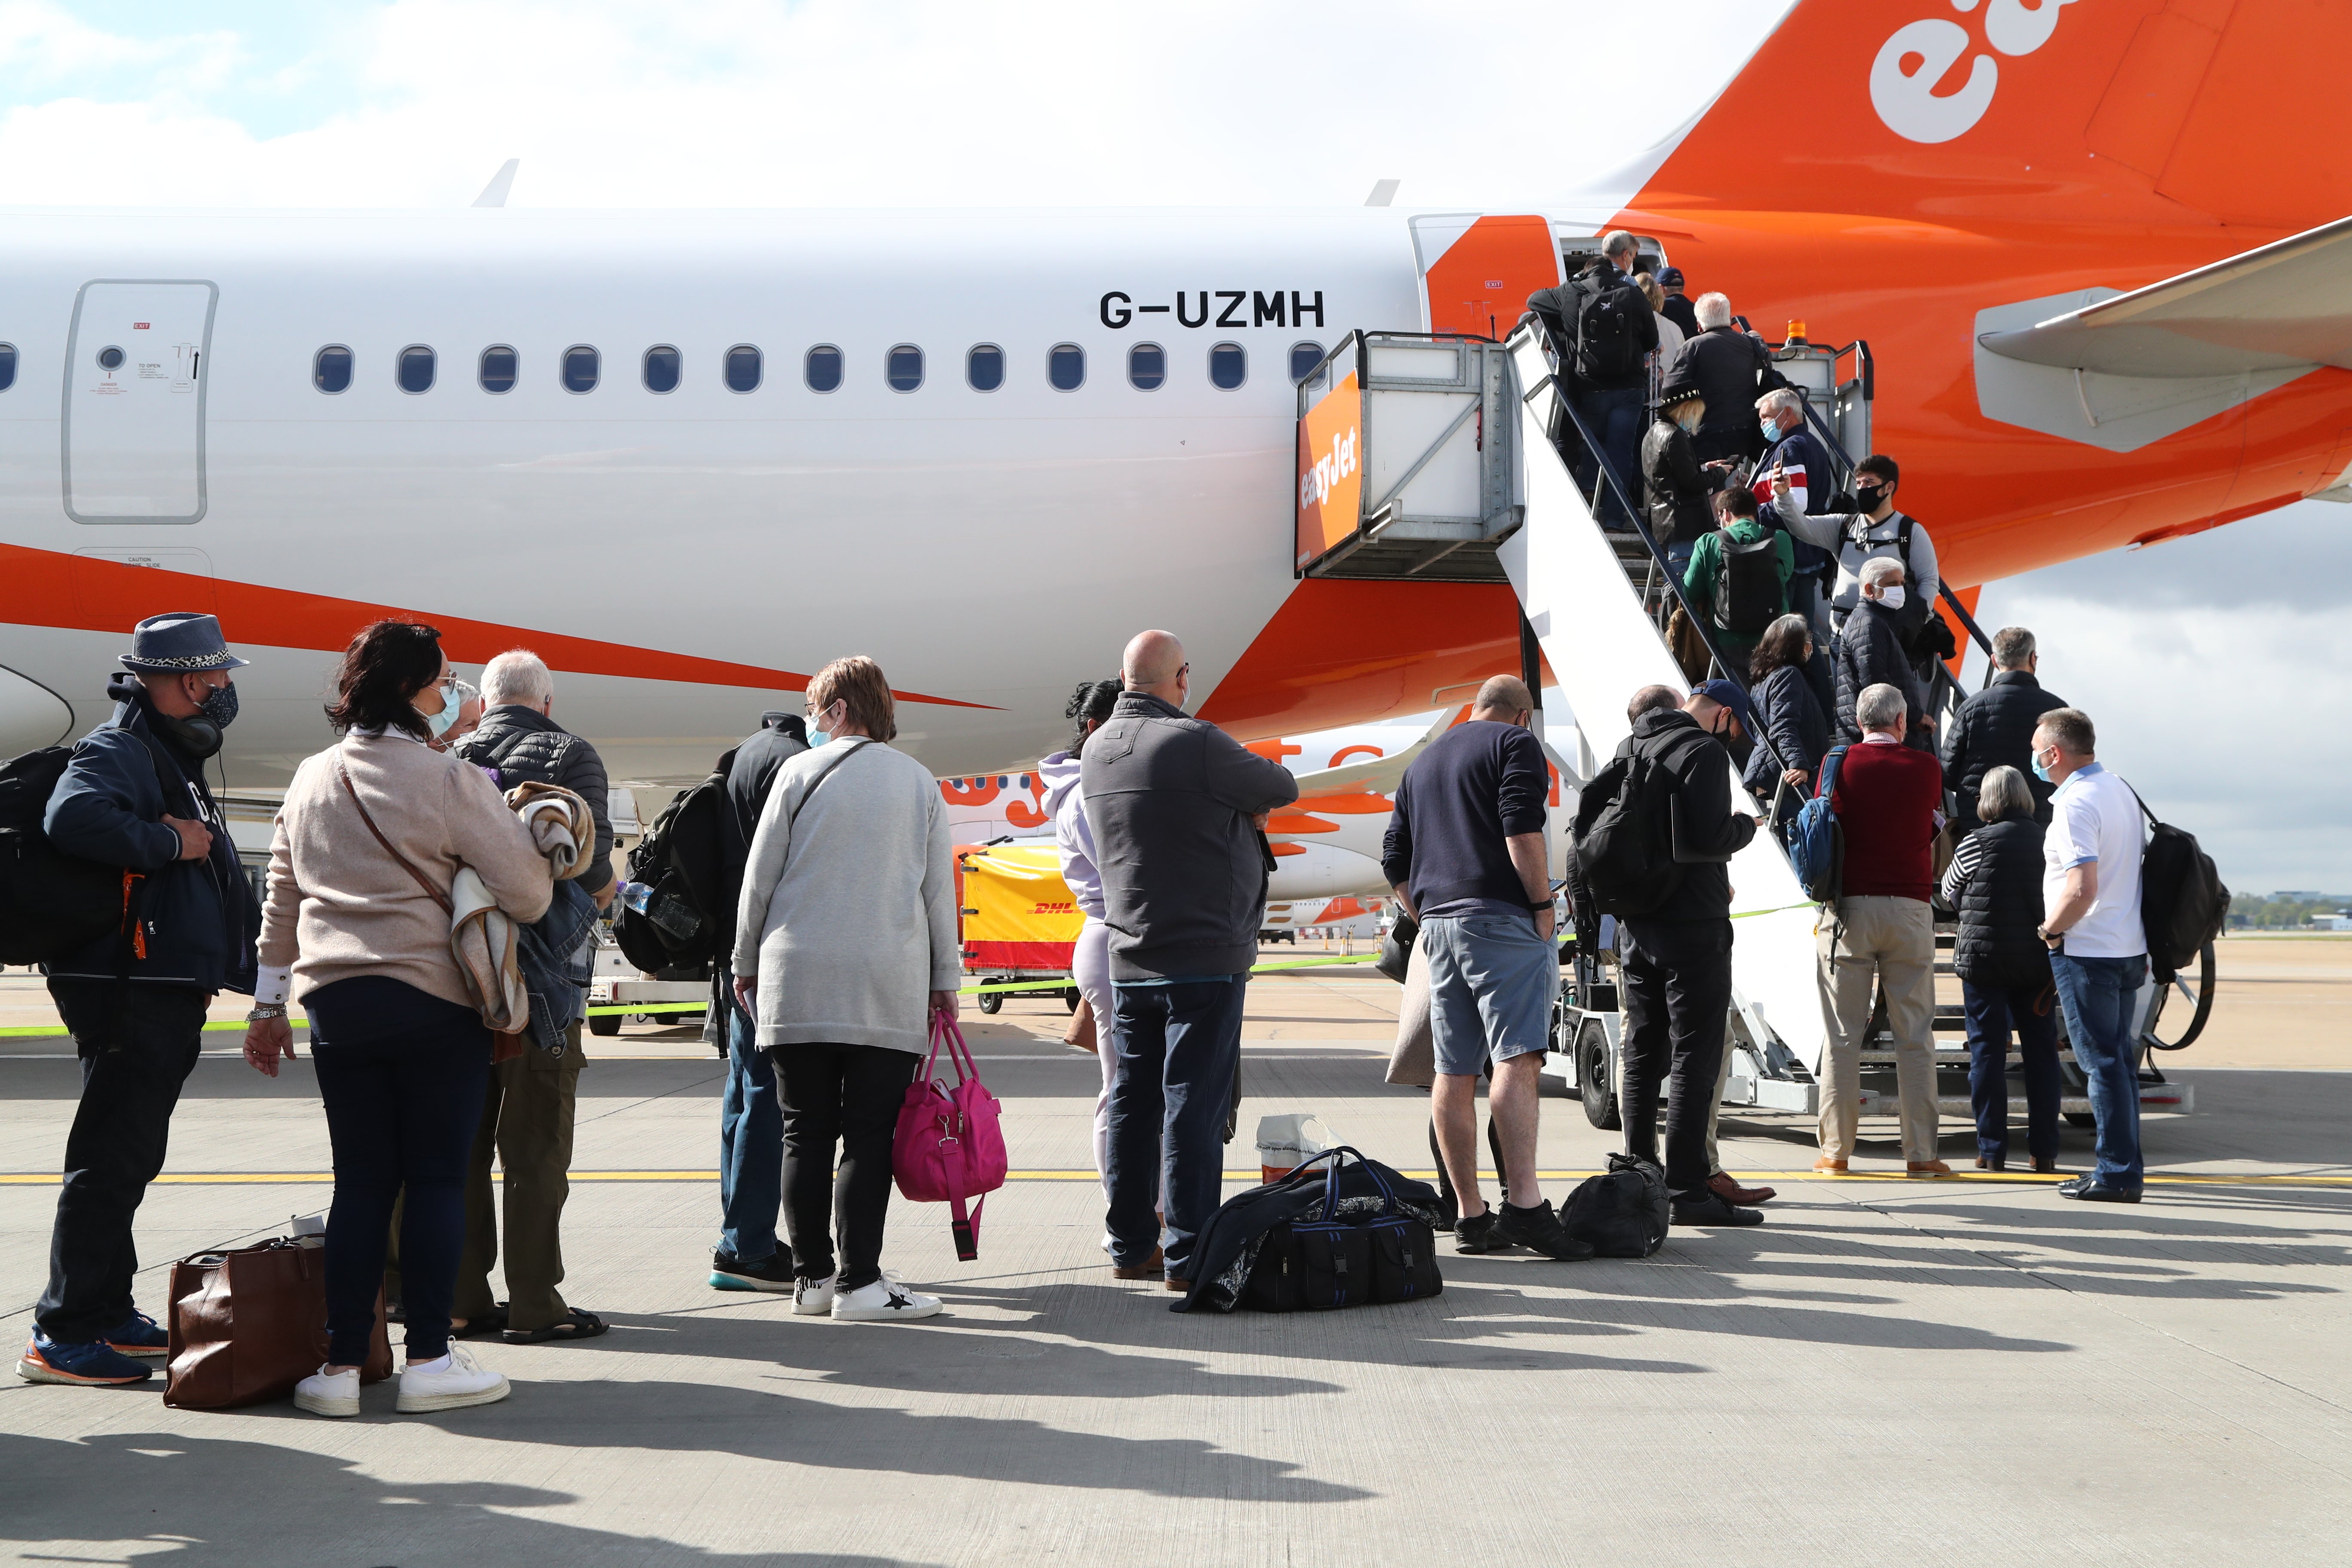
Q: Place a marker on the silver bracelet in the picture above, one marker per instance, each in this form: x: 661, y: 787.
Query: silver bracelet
x: 266, y: 1010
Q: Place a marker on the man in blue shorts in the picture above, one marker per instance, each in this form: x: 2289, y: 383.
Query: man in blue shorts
x: 1464, y: 853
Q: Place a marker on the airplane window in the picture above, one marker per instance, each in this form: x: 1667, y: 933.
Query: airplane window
x: 581, y: 366
x: 906, y: 368
x: 498, y: 365
x: 1228, y: 366
x: 1147, y: 366
x: 823, y: 368
x: 984, y: 367
x: 7, y: 366
x: 1304, y: 358
x: 331, y: 370
x: 1065, y: 367
x: 661, y: 368
x: 414, y: 368
x: 742, y: 368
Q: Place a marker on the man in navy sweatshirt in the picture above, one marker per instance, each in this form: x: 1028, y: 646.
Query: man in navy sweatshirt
x: 1464, y: 854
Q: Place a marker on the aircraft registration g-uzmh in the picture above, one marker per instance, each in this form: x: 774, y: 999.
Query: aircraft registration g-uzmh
x: 689, y: 457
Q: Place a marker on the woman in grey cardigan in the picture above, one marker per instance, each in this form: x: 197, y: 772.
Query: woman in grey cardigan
x: 846, y: 939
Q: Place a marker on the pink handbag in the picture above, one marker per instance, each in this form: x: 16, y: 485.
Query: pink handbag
x: 949, y: 1146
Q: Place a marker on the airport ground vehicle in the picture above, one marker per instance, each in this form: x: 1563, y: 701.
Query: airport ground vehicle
x: 1018, y: 918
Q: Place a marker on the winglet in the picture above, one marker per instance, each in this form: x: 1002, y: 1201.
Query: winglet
x: 1383, y: 193
x: 493, y: 195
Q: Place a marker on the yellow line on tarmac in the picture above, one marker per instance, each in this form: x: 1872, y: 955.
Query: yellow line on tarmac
x: 2186, y: 1179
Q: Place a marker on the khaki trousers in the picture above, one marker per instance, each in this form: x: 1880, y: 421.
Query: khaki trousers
x: 1892, y: 941
x: 526, y: 1125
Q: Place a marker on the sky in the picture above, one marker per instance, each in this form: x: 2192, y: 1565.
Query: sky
x: 2205, y: 661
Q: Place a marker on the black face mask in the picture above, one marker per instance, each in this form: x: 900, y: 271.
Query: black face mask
x: 199, y: 734
x: 1867, y: 497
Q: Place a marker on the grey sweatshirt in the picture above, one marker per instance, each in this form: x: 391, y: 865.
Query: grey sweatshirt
x: 847, y: 919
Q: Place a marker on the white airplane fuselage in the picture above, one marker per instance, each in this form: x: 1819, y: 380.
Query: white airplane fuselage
x: 690, y: 554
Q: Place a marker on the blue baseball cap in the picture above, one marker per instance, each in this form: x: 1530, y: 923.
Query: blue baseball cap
x: 1727, y: 694
x: 1670, y: 276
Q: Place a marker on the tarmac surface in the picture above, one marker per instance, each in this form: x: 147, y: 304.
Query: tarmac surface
x: 1889, y: 1370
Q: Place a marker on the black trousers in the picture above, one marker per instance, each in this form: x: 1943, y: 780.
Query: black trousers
x: 138, y: 1041
x: 846, y: 1096
x: 1678, y: 977
x: 401, y: 1105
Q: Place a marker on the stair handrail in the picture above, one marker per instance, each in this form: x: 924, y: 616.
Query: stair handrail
x: 1658, y: 562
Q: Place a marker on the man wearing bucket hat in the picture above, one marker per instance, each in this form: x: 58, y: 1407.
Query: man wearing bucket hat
x: 133, y: 795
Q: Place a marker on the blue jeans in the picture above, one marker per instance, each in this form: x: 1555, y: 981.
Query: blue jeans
x: 1614, y: 417
x: 1992, y: 1012
x: 1178, y: 1048
x: 2097, y: 994
x: 751, y: 1147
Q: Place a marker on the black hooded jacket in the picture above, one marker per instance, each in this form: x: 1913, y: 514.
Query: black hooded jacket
x: 1996, y: 726
x: 1705, y: 826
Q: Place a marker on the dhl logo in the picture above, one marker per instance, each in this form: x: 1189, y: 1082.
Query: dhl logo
x: 1065, y: 908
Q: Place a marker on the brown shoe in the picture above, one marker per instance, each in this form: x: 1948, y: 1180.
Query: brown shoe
x: 1151, y: 1268
x: 1987, y: 1163
x: 1825, y: 1166
x: 1173, y: 1283
x: 2046, y: 1167
x: 1722, y: 1185
x: 1927, y: 1169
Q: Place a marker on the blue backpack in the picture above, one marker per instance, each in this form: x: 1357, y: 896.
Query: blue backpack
x: 1816, y: 843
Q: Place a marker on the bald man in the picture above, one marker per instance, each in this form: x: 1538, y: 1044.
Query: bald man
x: 1175, y: 806
x: 1464, y: 854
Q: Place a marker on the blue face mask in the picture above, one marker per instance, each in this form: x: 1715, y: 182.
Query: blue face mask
x: 1772, y: 430
x: 220, y: 705
x: 2039, y: 772
x: 441, y: 723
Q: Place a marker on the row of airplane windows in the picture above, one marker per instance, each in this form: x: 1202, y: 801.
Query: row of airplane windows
x: 581, y: 368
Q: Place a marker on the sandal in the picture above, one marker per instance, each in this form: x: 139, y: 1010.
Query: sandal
x: 493, y: 1321
x: 575, y: 1324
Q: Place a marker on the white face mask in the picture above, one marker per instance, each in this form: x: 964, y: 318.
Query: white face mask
x: 1892, y: 596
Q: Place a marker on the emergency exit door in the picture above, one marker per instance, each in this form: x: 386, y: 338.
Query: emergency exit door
x: 134, y: 409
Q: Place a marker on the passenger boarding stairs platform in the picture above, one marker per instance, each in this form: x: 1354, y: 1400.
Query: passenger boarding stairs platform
x: 1441, y: 458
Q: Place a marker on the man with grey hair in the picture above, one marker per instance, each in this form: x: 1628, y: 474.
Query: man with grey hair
x: 1731, y: 368
x: 1887, y: 798
x: 527, y: 1115
x: 1870, y: 653
x: 1994, y: 727
x: 1603, y: 331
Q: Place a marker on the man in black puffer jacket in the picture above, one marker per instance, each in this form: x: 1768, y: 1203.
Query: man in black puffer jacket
x: 1995, y: 729
x: 1994, y: 883
x: 1870, y: 653
x: 528, y: 1115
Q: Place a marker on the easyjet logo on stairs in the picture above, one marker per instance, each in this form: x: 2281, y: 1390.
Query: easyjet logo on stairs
x: 1914, y: 60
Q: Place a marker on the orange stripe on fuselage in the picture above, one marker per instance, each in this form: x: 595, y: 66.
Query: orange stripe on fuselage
x: 83, y: 592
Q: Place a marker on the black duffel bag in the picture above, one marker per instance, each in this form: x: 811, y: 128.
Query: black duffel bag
x: 1623, y: 1211
x: 1347, y: 1233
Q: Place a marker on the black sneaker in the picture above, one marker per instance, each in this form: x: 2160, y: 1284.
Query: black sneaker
x: 1538, y: 1230
x: 773, y: 1272
x: 1704, y: 1207
x: 1476, y: 1232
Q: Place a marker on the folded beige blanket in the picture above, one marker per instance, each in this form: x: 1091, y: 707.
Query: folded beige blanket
x: 560, y: 824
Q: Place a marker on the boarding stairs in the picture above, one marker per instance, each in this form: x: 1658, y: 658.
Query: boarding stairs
x: 1465, y: 474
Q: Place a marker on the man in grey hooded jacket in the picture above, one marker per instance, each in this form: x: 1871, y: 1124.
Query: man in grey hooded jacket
x: 1177, y: 807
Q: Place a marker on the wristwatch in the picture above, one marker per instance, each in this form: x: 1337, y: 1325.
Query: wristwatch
x: 266, y: 1010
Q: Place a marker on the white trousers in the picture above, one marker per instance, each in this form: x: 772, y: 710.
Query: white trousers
x: 1090, y: 966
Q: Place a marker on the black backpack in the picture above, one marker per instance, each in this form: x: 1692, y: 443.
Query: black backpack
x: 1607, y: 345
x: 51, y: 903
x: 1748, y: 596
x: 2182, y: 903
x: 1623, y: 1211
x: 685, y: 921
x: 1624, y: 847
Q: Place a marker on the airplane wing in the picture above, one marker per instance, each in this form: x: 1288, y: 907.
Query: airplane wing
x: 2284, y: 305
x: 1375, y: 776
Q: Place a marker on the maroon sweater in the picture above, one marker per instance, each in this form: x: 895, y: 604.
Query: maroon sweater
x: 1886, y: 800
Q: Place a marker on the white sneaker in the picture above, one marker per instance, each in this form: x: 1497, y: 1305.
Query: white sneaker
x: 884, y: 1301
x: 452, y: 1383
x: 329, y: 1394
x: 814, y: 1298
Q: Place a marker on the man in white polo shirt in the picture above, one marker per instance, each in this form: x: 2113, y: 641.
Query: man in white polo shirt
x: 2098, y: 950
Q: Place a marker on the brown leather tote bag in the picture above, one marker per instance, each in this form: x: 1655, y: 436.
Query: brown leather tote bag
x: 247, y: 1325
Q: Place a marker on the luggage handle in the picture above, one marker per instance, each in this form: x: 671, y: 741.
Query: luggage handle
x: 945, y: 1031
x: 1330, y: 1190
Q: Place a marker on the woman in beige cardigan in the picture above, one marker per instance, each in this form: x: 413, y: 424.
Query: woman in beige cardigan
x: 373, y: 832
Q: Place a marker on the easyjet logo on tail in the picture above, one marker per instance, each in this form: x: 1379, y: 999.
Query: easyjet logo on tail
x: 1913, y: 62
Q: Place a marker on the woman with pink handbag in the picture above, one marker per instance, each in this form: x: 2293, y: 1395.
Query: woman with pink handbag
x: 845, y: 948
